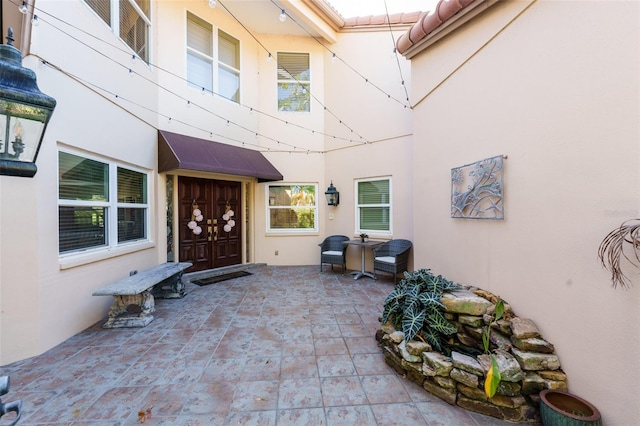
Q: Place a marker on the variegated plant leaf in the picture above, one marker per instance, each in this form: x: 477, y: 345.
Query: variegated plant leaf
x: 412, y: 322
x: 430, y: 299
x: 440, y: 323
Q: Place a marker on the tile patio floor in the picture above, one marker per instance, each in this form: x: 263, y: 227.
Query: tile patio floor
x: 283, y: 346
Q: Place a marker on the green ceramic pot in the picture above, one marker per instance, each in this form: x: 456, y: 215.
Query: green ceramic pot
x: 564, y: 409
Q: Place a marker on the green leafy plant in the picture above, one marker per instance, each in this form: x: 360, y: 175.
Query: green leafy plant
x: 414, y: 307
x: 492, y: 381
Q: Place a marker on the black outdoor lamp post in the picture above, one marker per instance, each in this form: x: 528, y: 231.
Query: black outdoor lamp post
x: 332, y: 194
x: 24, y: 113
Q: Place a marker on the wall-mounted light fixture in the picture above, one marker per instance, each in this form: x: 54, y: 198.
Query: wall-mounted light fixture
x: 332, y: 194
x: 24, y: 113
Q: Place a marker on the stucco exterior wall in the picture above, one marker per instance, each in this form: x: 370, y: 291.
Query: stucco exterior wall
x: 382, y: 131
x: 46, y: 297
x: 555, y: 87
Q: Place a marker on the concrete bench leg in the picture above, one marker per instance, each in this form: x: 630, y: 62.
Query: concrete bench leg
x: 131, y: 310
x: 171, y: 288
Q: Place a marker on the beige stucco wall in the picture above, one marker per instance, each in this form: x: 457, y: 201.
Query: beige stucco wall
x: 46, y: 298
x: 384, y: 124
x: 555, y: 89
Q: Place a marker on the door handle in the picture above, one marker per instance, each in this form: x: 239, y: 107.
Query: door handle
x: 209, y: 233
x: 215, y: 233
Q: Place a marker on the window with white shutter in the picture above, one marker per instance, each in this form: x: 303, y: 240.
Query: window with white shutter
x: 373, y: 206
x: 294, y: 82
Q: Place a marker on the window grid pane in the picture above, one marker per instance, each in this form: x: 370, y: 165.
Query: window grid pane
x: 228, y: 66
x: 301, y: 218
x: 199, y: 35
x: 374, y: 209
x: 134, y: 30
x: 294, y: 97
x: 132, y: 186
x: 81, y: 228
x: 228, y: 50
x: 131, y: 224
x: 374, y: 218
x: 82, y: 179
x: 293, y: 66
x: 292, y: 207
x: 373, y: 192
x: 144, y: 6
x: 102, y: 8
x: 199, y: 71
x: 294, y: 88
x: 229, y: 84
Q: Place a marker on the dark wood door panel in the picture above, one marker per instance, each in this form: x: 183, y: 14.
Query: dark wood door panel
x: 214, y: 198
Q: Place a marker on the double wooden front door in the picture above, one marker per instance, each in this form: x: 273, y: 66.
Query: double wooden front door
x: 220, y: 204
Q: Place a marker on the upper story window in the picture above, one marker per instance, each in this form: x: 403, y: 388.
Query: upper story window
x: 292, y: 208
x: 133, y: 21
x: 373, y: 206
x: 228, y: 66
x: 100, y: 204
x: 201, y: 58
x: 294, y: 82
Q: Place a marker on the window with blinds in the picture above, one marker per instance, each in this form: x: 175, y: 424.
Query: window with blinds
x: 199, y: 53
x: 294, y: 82
x: 99, y: 204
x: 228, y: 66
x: 292, y: 208
x: 102, y: 8
x: 201, y: 58
x: 373, y: 206
x: 132, y: 205
x: 133, y: 23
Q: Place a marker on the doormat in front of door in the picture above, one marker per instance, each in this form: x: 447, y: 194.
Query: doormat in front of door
x: 218, y: 278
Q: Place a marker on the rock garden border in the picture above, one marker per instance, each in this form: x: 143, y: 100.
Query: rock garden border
x: 527, y: 363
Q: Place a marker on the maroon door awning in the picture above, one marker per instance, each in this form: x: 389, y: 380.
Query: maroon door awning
x: 177, y: 151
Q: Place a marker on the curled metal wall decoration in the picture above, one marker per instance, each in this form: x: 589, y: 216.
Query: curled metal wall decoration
x: 477, y: 190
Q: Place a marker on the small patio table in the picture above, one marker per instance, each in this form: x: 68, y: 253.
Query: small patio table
x: 363, y: 246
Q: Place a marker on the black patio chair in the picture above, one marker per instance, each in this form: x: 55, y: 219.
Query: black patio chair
x: 392, y: 257
x: 333, y: 251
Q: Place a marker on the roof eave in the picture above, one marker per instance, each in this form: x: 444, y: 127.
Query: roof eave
x: 410, y: 48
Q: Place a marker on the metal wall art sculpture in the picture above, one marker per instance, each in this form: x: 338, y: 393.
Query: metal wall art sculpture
x: 476, y: 190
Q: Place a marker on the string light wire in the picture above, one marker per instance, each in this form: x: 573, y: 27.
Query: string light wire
x: 127, y: 52
x: 291, y: 74
x: 334, y: 56
x: 395, y: 53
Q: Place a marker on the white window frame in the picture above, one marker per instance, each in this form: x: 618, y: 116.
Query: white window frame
x: 269, y: 206
x: 214, y: 61
x: 114, y: 6
x: 293, y: 80
x: 358, y: 206
x: 112, y: 205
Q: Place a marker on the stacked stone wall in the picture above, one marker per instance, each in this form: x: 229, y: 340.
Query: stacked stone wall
x: 526, y: 361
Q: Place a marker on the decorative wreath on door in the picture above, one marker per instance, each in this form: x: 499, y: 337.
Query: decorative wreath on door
x: 227, y: 216
x: 196, y: 216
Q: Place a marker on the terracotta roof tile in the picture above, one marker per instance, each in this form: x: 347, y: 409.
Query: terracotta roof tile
x: 427, y: 23
x: 405, y: 18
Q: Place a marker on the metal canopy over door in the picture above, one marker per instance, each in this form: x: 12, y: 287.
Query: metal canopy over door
x: 215, y: 246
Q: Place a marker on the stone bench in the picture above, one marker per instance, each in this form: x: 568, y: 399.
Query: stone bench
x: 134, y: 295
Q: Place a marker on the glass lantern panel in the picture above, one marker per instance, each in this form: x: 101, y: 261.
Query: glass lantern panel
x: 21, y: 128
